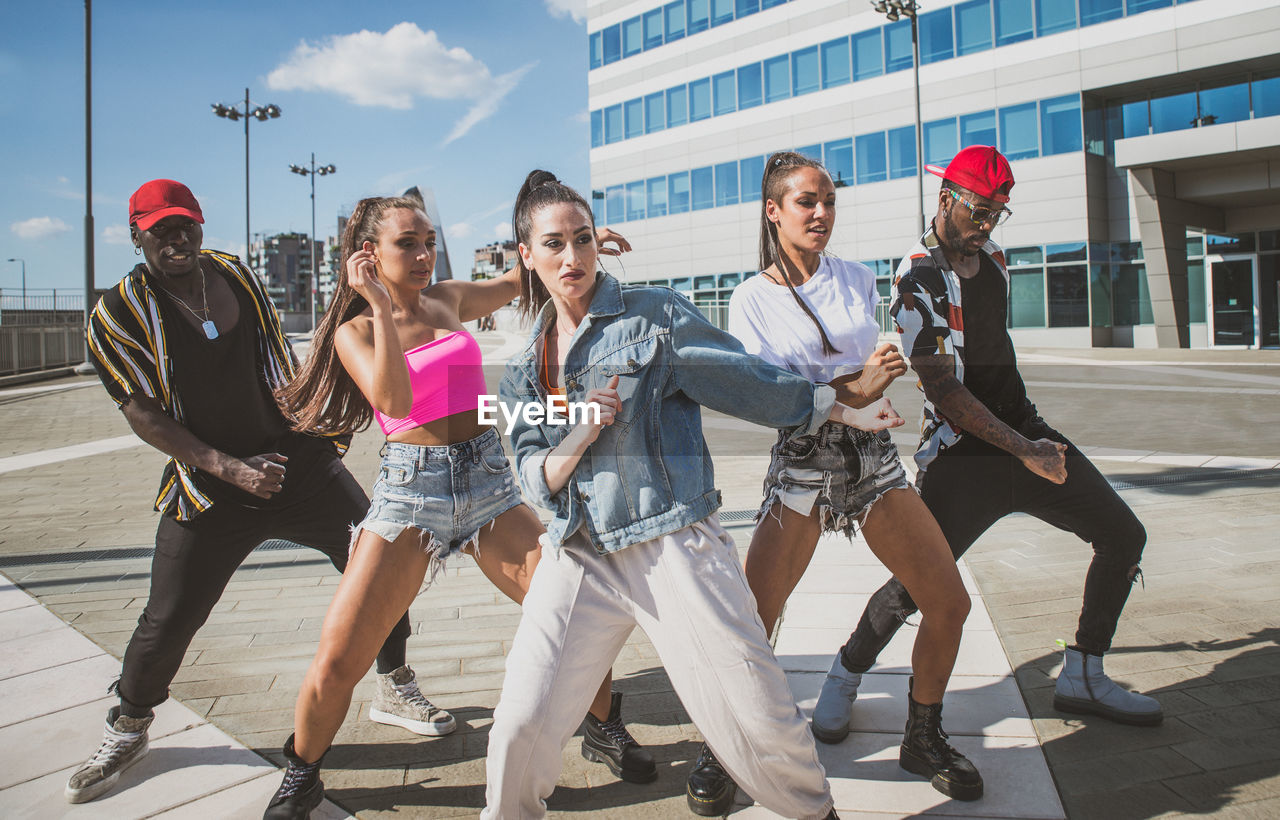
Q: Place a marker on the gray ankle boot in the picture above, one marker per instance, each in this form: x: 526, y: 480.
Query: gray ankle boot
x: 1084, y: 689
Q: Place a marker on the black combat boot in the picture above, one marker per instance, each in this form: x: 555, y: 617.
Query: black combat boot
x: 925, y: 752
x: 301, y: 790
x: 610, y: 743
x: 710, y: 790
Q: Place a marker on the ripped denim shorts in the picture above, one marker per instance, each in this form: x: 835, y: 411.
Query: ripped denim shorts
x: 447, y: 493
x: 841, y: 470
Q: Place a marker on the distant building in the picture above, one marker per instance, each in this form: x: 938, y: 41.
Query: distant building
x: 494, y: 259
x: 283, y: 261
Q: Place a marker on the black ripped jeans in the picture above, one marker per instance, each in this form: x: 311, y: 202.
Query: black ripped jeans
x: 973, y: 484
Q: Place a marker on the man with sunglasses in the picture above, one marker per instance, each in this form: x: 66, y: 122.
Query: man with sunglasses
x: 985, y: 453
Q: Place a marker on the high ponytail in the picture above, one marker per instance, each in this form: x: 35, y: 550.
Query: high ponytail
x: 540, y: 189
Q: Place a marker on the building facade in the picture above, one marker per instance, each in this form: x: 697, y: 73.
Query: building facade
x: 283, y: 262
x: 1144, y: 136
x: 494, y: 259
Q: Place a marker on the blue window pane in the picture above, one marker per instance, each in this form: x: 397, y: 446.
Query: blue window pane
x: 678, y: 192
x: 813, y: 152
x: 868, y: 59
x: 1099, y: 11
x: 725, y: 88
x: 1266, y: 97
x: 699, y: 15
x: 633, y: 113
x: 750, y: 171
x: 700, y: 180
x: 597, y: 207
x: 940, y: 141
x: 838, y: 157
x: 1135, y: 120
x: 1174, y: 112
x: 632, y: 37
x: 768, y: 4
x: 613, y: 123
x: 835, y: 62
x: 1053, y: 16
x: 897, y: 46
x: 978, y: 129
x: 721, y: 12
x: 935, y: 37
x: 727, y: 184
x: 613, y: 199
x: 699, y: 99
x: 777, y: 78
x: 745, y: 7
x: 902, y: 152
x: 873, y: 165
x: 655, y: 112
x: 612, y: 44
x: 1019, y: 131
x: 673, y: 19
x: 595, y: 49
x: 652, y: 29
x: 597, y: 128
x: 1224, y: 104
x: 635, y: 200
x: 1138, y: 6
x: 973, y: 27
x: 656, y: 193
x: 1013, y: 21
x: 804, y: 71
x: 750, y: 86
x: 677, y: 106
x: 1060, y: 125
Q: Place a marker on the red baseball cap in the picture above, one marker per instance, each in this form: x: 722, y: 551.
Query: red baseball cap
x: 160, y: 198
x: 980, y: 168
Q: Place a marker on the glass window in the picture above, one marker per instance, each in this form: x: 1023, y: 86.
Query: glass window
x: 1065, y: 252
x: 1139, y: 6
x: 700, y: 180
x: 656, y: 193
x: 652, y: 29
x: 1100, y: 11
x: 612, y: 37
x: 902, y: 152
x: 835, y: 62
x: 1230, y: 243
x: 725, y: 87
x: 973, y: 27
x: 897, y: 46
x: 940, y: 141
x: 1100, y: 294
x: 1068, y: 297
x: 613, y: 200
x: 595, y: 49
x: 699, y: 99
x: 613, y: 123
x: 1019, y: 131
x: 721, y: 12
x: 745, y: 7
x: 655, y: 112
x: 677, y: 106
x: 750, y: 171
x: 699, y: 16
x: 1173, y: 112
x: 1132, y: 299
x: 838, y: 157
x: 1026, y: 298
x: 597, y: 207
x: 673, y: 21
x: 804, y: 71
x: 1060, y: 125
x: 1195, y: 292
x: 1053, y: 16
x: 978, y: 129
x: 1195, y: 245
x: 729, y: 280
x: 768, y: 4
x: 635, y: 200
x: 1226, y: 103
x: 813, y: 152
x: 750, y: 89
x: 868, y: 59
x: 1135, y: 119
x: 935, y: 37
x: 1266, y: 96
x: 1013, y: 21
x: 633, y: 113
x: 872, y: 164
x: 597, y: 128
x: 777, y: 78
x: 632, y: 37
x: 678, y: 192
x: 1029, y: 255
x: 726, y: 184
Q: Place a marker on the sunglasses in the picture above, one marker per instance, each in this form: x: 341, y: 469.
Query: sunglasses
x: 980, y: 215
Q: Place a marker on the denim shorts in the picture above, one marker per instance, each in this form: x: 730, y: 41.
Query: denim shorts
x: 841, y: 470
x: 447, y: 493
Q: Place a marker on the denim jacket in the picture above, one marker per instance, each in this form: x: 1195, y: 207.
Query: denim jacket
x: 649, y: 473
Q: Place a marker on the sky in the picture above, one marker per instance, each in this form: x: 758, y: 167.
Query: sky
x: 463, y: 98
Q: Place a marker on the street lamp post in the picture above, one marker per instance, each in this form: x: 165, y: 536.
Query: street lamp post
x: 893, y: 10
x: 24, y: 281
x: 261, y: 113
x: 313, y: 172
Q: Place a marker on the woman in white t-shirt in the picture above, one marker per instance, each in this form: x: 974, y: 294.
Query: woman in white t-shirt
x: 816, y: 316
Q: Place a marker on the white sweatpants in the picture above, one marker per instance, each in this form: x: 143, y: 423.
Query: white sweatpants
x: 687, y: 591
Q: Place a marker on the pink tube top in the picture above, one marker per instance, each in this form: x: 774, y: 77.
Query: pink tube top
x: 446, y: 377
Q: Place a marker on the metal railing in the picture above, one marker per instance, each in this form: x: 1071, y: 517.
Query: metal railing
x: 41, y: 307
x: 40, y: 329
x: 717, y: 312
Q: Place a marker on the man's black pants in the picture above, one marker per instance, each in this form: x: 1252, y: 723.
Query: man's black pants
x: 972, y: 485
x: 194, y: 561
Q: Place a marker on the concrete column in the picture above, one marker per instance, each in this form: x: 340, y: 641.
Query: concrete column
x: 1164, y: 250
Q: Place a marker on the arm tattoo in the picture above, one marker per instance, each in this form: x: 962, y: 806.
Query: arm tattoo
x: 962, y: 408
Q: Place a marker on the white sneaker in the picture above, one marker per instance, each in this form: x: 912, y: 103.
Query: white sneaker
x: 399, y: 702
x: 124, y: 742
x: 834, y: 710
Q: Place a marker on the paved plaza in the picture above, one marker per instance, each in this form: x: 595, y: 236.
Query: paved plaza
x: 1188, y: 436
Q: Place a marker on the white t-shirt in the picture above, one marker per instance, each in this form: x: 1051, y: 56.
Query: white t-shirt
x: 766, y: 319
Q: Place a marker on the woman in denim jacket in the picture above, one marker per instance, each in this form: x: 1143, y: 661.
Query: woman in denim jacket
x: 634, y: 540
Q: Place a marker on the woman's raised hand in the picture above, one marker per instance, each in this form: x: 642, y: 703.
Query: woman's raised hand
x: 604, y: 235
x: 877, y: 416
x: 881, y: 368
x: 607, y: 399
x: 362, y: 275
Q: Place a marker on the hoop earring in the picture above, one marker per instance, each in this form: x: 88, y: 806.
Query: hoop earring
x: 137, y: 251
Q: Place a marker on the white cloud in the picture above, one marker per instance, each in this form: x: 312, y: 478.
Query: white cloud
x: 502, y: 230
x: 116, y: 235
x: 488, y: 104
x: 459, y: 230
x: 39, y: 227
x: 467, y: 227
x: 577, y: 9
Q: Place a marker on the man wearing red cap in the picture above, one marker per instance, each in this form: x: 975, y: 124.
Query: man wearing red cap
x: 985, y: 453
x: 190, y: 348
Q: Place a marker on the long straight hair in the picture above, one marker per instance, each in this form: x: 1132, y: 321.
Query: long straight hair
x: 540, y: 189
x: 323, y: 398
x: 777, y: 172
